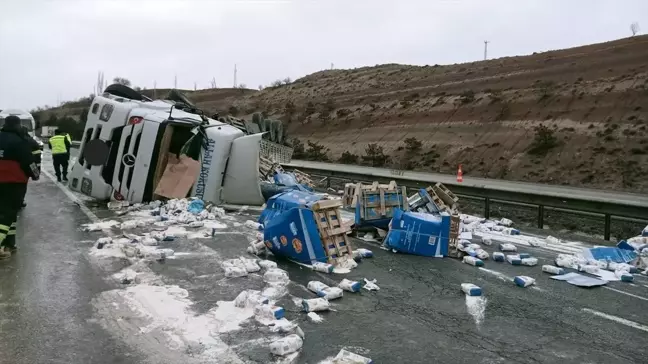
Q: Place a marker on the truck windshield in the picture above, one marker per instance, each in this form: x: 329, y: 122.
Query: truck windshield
x: 27, y: 123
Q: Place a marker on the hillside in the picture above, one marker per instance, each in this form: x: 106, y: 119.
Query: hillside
x: 592, y: 99
x: 592, y: 102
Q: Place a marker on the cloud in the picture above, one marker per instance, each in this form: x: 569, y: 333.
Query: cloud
x: 52, y: 50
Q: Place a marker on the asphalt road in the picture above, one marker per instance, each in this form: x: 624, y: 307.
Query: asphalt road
x: 58, y: 305
x: 640, y: 200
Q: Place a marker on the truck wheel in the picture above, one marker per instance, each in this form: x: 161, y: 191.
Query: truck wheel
x: 124, y: 91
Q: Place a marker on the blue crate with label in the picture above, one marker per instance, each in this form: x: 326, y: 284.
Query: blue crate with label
x: 419, y: 233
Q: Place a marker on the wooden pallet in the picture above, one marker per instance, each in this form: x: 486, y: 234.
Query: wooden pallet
x: 384, y: 207
x: 446, y: 195
x: 332, y: 233
x: 453, y: 241
x: 437, y: 200
x: 303, y: 178
x: 349, y: 195
x: 268, y: 167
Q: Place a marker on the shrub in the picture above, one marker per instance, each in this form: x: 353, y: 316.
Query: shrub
x: 543, y: 142
x: 348, y: 158
x: 413, y: 145
x: 233, y: 110
x: 310, y: 108
x: 504, y: 112
x: 316, y: 152
x: 375, y: 156
x: 467, y: 96
x: 289, y: 109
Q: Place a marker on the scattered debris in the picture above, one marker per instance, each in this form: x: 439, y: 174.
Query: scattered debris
x: 347, y: 357
x: 524, y: 281
x: 350, y: 286
x: 324, y: 291
x: 269, y: 312
x: 471, y: 289
x: 473, y: 261
x: 553, y: 269
x: 507, y: 247
x: 315, y: 304
x: 315, y: 317
x: 370, y: 285
x: 286, y: 345
x: 580, y: 280
x: 529, y: 261
x: 250, y: 298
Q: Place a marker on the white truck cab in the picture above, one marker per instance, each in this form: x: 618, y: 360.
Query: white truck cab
x: 140, y: 134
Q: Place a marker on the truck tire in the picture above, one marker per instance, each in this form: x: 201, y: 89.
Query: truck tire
x: 177, y: 96
x: 126, y: 92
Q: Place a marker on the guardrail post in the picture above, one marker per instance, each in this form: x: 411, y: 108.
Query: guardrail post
x: 328, y: 182
x: 608, y: 223
x: 540, y: 217
x: 487, y: 208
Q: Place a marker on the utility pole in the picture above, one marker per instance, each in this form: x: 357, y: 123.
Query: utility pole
x: 175, y: 82
x: 486, y: 49
x: 195, y: 87
x: 154, y: 90
x: 235, y: 75
x: 332, y: 65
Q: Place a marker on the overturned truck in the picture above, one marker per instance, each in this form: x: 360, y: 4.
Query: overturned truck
x: 138, y: 149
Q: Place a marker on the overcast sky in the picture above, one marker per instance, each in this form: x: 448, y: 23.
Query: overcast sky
x: 51, y: 50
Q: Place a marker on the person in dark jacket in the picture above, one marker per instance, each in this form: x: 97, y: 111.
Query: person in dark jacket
x: 16, y: 167
x: 60, y: 146
x: 37, y: 151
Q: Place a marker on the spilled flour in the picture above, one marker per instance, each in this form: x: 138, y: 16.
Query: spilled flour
x: 164, y: 314
x: 476, y: 306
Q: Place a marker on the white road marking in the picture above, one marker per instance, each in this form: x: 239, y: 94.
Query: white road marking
x: 617, y: 319
x: 626, y: 293
x: 497, y: 274
x: 73, y: 198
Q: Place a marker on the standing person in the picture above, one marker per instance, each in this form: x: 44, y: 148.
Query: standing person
x: 60, y: 147
x: 16, y: 167
x: 37, y: 151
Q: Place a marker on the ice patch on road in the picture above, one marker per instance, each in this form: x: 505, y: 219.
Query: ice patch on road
x: 476, y: 306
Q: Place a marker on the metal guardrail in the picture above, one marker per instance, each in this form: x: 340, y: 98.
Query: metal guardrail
x: 599, y: 202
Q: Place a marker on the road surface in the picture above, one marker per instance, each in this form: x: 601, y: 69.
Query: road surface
x: 59, y: 304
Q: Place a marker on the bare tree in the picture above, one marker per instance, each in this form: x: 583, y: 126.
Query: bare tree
x: 99, y: 87
x: 634, y: 28
x: 212, y: 83
x: 260, y: 87
x: 242, y: 86
x: 122, y: 81
x: 286, y: 80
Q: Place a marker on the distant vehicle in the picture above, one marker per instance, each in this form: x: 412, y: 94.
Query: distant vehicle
x: 140, y: 133
x: 26, y: 119
x: 48, y: 131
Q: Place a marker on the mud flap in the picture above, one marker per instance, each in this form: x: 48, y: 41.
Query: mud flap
x: 241, y: 182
